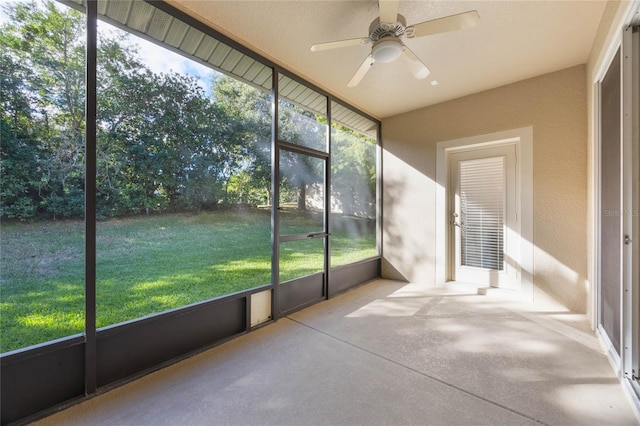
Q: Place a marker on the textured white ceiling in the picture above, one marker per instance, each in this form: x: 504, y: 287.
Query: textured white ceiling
x: 514, y: 40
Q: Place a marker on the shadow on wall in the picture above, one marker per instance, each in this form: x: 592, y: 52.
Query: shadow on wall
x: 404, y: 253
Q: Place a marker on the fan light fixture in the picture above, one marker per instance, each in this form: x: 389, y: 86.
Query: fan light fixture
x: 387, y: 50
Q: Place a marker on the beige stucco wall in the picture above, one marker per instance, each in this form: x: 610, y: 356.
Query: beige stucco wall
x: 555, y: 105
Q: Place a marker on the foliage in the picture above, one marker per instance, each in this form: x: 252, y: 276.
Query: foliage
x: 163, y: 144
x: 353, y: 173
x: 251, y: 109
x: 42, y: 112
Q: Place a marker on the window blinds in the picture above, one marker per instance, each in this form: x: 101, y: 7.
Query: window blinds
x: 482, y: 212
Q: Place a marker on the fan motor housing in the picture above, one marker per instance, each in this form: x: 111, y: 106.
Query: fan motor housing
x: 378, y: 30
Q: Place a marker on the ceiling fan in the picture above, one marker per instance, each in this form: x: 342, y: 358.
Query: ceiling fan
x: 386, y: 34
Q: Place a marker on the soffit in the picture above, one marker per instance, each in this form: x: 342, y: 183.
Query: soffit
x: 157, y: 26
x: 514, y: 40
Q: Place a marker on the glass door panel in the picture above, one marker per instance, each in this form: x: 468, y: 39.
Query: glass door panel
x: 610, y: 200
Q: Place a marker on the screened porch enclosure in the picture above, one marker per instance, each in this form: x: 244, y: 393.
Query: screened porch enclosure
x: 222, y: 192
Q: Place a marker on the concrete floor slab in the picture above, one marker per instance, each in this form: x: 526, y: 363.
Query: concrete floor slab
x: 386, y: 353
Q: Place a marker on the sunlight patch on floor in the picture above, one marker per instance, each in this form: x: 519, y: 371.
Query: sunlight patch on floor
x: 572, y: 397
x: 389, y: 308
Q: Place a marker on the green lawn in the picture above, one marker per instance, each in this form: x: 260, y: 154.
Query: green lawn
x: 150, y: 264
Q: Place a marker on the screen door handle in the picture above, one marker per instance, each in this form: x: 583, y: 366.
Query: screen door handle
x: 318, y: 235
x: 453, y: 221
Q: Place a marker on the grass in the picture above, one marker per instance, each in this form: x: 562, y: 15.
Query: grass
x: 150, y: 264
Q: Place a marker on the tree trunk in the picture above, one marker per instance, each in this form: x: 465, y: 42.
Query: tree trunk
x: 302, y: 197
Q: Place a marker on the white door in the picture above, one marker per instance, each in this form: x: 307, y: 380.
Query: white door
x: 483, y: 217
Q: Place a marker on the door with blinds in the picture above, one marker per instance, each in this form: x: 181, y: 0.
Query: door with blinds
x: 483, y: 217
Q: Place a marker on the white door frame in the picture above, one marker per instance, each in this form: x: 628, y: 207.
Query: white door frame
x: 630, y: 206
x: 626, y: 361
x: 611, y: 45
x: 522, y: 138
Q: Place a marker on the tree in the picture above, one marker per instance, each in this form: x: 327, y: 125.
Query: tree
x: 48, y: 44
x: 251, y: 110
x: 163, y: 143
x: 353, y: 171
x: 19, y: 151
x: 157, y: 143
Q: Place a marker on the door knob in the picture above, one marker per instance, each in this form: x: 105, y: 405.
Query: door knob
x: 453, y: 221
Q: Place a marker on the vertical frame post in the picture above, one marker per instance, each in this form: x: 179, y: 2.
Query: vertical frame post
x: 327, y: 207
x: 379, y: 192
x: 635, y: 257
x: 90, y: 197
x: 275, y: 196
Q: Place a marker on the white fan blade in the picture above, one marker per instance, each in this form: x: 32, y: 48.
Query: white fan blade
x: 388, y: 11
x: 340, y: 43
x: 414, y: 64
x: 446, y: 24
x: 357, y: 77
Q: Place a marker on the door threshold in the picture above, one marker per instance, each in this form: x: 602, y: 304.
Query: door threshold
x: 496, y: 291
x: 483, y: 289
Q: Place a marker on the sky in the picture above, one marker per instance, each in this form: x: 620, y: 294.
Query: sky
x: 159, y: 59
